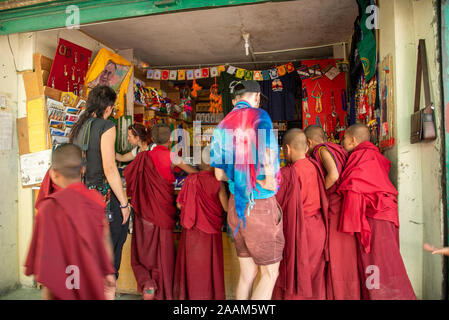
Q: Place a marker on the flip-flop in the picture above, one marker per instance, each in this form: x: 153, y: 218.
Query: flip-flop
x: 148, y: 293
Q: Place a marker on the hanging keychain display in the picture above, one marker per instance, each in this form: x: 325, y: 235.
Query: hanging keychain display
x: 344, y: 104
x: 215, y: 99
x: 305, y: 99
x: 317, y: 96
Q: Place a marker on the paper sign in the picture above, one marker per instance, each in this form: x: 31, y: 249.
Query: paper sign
x: 33, y: 167
x: 6, y: 124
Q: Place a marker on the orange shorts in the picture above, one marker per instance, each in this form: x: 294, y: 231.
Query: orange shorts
x: 263, y: 236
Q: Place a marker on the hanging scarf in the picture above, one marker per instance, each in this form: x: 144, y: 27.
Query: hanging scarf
x: 241, y: 156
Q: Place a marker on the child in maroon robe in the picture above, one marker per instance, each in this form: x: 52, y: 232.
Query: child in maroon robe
x: 149, y: 183
x: 304, y: 203
x: 70, y: 252
x: 343, y: 282
x: 199, y: 272
x: 370, y: 210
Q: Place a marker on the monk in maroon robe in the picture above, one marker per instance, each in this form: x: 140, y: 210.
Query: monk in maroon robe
x: 343, y: 282
x: 370, y: 210
x: 199, y: 272
x: 149, y: 183
x: 70, y: 252
x: 303, y: 200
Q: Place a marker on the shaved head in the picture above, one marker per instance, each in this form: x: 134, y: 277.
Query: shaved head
x: 67, y: 160
x: 296, y: 139
x: 315, y: 133
x: 161, y: 133
x: 360, y: 132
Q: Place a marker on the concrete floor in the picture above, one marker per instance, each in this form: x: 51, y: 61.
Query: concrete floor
x: 35, y: 294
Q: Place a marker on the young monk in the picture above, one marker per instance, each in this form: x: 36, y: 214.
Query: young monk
x: 199, y: 272
x: 149, y: 182
x: 370, y: 210
x: 343, y: 281
x: 304, y: 203
x: 71, y: 252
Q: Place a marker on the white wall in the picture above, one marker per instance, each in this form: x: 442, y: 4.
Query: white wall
x: 10, y: 80
x: 416, y: 169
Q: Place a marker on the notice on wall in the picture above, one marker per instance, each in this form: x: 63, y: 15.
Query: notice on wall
x: 33, y: 167
x: 6, y: 131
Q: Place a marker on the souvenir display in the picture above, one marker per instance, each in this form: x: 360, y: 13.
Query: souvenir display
x: 62, y: 115
x: 386, y: 97
x: 321, y: 84
x: 69, y: 68
x: 303, y: 72
x: 331, y: 72
x: 315, y: 72
x: 317, y: 93
x: 215, y: 99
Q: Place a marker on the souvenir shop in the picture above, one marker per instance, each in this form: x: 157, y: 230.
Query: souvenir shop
x: 333, y: 84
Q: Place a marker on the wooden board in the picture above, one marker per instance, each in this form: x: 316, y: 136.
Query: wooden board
x: 126, y: 282
x: 22, y: 136
x: 33, y: 87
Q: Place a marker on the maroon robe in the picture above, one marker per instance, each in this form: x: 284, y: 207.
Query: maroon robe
x: 343, y: 282
x: 370, y: 211
x: 152, y: 247
x: 199, y: 272
x: 302, y: 270
x: 67, y: 244
x: 47, y: 187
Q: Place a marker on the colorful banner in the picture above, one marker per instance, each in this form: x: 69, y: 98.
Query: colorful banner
x: 258, y: 75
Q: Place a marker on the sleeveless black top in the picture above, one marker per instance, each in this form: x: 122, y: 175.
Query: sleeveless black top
x: 94, y: 169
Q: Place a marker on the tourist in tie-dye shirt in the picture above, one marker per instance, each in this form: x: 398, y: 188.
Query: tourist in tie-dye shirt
x: 245, y: 153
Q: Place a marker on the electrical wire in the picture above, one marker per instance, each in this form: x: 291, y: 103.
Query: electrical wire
x: 13, y: 57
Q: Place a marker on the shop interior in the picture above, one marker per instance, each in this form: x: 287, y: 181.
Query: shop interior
x: 176, y: 68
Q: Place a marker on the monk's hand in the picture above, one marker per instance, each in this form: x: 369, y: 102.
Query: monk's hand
x: 125, y: 213
x: 430, y: 248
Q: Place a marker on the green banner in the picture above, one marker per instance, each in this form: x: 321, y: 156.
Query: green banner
x: 367, y: 46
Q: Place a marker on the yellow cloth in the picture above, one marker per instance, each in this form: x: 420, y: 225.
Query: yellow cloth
x: 97, y: 67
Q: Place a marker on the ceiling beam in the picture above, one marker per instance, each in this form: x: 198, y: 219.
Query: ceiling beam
x: 52, y: 14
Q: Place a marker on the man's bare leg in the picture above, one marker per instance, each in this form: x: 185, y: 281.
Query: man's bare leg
x: 248, y: 273
x: 268, y: 277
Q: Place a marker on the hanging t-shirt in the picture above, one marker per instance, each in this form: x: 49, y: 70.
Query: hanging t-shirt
x: 224, y: 81
x: 281, y: 93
